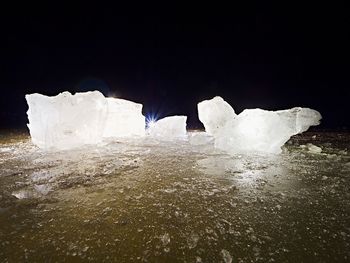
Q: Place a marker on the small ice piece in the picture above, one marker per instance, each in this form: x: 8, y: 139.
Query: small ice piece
x: 42, y: 189
x: 313, y: 148
x: 254, y: 130
x: 22, y: 194
x: 343, y: 152
x: 165, y: 239
x: 169, y: 127
x: 124, y: 118
x: 5, y: 149
x: 41, y: 176
x: 226, y: 256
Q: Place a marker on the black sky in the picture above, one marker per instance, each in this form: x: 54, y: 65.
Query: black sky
x: 169, y: 57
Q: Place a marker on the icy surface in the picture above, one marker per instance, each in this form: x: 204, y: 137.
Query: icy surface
x: 169, y: 127
x: 67, y: 121
x: 148, y: 200
x: 253, y: 130
x: 200, y: 138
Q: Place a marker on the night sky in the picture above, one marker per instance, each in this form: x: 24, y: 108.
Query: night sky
x: 169, y: 57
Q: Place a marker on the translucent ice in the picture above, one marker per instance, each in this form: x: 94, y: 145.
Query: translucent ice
x: 169, y: 127
x: 124, y: 118
x: 214, y: 114
x: 66, y: 121
x: 253, y: 130
x: 313, y: 148
x: 200, y: 138
x: 42, y: 189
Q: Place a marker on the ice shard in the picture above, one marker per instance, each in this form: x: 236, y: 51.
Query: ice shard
x: 67, y: 121
x: 169, y: 127
x: 253, y: 130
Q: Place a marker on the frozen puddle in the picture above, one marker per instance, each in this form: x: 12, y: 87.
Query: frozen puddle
x: 148, y: 200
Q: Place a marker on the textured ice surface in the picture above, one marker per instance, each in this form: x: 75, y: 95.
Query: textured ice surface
x: 214, y: 114
x: 313, y: 148
x: 145, y: 200
x: 66, y: 121
x: 253, y: 130
x: 169, y: 127
x: 200, y: 138
x: 124, y: 118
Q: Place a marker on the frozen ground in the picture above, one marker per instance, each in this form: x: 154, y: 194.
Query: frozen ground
x: 145, y: 200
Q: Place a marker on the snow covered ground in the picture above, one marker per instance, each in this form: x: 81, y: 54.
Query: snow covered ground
x: 149, y: 200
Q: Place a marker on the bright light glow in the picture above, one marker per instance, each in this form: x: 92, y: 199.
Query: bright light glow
x: 150, y: 121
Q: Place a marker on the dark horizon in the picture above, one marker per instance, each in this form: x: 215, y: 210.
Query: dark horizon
x: 254, y: 57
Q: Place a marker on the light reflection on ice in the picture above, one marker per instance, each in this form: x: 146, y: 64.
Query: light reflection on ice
x: 179, y: 200
x: 246, y: 171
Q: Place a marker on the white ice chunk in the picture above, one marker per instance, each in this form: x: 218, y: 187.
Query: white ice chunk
x: 313, y: 148
x: 66, y: 121
x: 124, y: 118
x: 169, y: 127
x: 214, y: 114
x: 42, y: 189
x: 299, y: 119
x: 22, y: 194
x: 255, y: 130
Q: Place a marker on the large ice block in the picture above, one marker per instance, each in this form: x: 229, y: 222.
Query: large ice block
x: 255, y: 130
x: 214, y: 114
x: 169, y: 127
x: 124, y: 118
x: 66, y: 121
